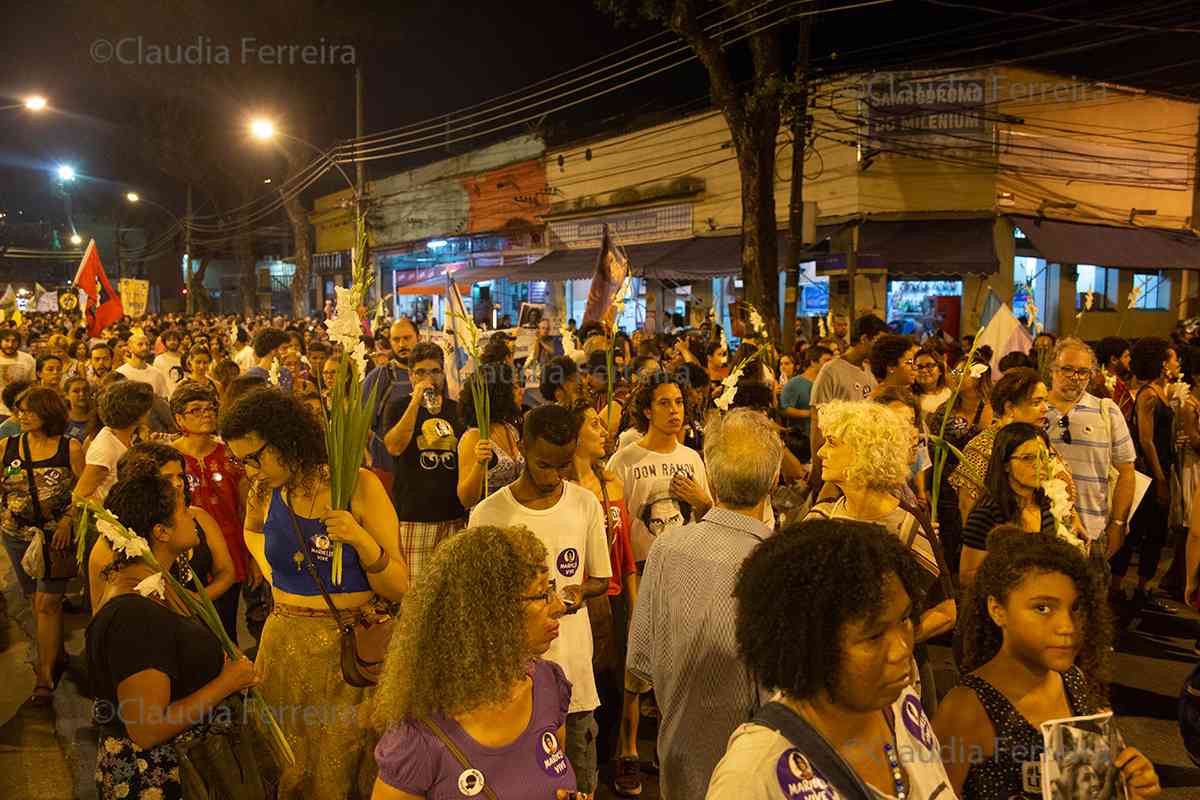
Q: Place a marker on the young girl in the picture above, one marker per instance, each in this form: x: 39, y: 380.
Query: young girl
x: 1036, y: 634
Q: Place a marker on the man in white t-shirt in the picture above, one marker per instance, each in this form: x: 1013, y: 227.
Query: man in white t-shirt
x: 567, y: 519
x: 665, y: 483
x: 15, y: 364
x: 136, y: 367
x: 169, y: 362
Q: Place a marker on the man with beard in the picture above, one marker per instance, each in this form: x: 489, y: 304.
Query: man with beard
x: 393, y: 383
x: 99, y: 363
x: 568, y: 519
x: 1090, y: 434
x: 15, y: 364
x: 137, y: 368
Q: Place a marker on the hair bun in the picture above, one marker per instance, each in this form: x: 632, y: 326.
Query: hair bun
x: 983, y: 354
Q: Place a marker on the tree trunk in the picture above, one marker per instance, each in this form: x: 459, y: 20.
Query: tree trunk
x: 301, y: 256
x: 243, y: 253
x: 799, y: 125
x: 200, y: 299
x: 755, y: 144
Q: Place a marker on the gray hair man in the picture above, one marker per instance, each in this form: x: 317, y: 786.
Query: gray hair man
x: 681, y: 637
x: 1091, y: 436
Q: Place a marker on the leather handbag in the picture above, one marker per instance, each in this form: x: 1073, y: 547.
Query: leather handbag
x: 227, y: 762
x: 365, y: 632
x: 60, y: 564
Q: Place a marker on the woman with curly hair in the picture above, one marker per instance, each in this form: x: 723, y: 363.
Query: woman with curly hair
x: 466, y: 700
x: 1036, y: 637
x: 158, y: 674
x: 499, y: 456
x: 867, y: 451
x: 841, y: 671
x: 291, y: 530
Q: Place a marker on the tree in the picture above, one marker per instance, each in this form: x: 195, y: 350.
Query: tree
x: 752, y: 110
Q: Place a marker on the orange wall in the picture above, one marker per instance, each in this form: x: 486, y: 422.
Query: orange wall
x: 500, y: 196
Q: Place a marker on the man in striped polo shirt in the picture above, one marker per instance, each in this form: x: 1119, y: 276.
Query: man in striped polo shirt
x: 1091, y: 435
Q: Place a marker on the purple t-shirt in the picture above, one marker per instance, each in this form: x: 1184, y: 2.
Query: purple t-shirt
x: 413, y: 760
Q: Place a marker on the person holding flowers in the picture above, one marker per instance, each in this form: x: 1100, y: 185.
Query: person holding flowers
x: 158, y: 674
x: 290, y: 520
x: 498, y: 456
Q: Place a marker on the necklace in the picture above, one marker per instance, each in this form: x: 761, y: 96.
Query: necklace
x: 889, y: 750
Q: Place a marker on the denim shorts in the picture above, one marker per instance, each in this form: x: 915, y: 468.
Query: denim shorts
x: 16, y: 551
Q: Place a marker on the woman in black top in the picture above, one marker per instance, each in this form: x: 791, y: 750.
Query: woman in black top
x: 158, y: 673
x: 40, y: 467
x: 1035, y: 635
x: 1013, y: 494
x: 1152, y: 361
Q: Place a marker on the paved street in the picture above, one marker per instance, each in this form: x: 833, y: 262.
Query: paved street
x: 49, y: 755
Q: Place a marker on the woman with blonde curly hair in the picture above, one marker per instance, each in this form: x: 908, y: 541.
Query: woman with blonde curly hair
x: 866, y: 454
x: 465, y: 700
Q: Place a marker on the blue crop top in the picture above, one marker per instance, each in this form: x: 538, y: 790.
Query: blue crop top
x: 292, y: 576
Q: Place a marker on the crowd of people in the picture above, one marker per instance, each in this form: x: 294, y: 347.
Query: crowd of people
x: 760, y: 570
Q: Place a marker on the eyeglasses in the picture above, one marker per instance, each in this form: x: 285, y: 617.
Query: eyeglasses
x: 200, y: 411
x: 250, y: 459
x: 926, y: 367
x: 1027, y: 458
x: 908, y: 362
x: 427, y: 373
x: 1064, y: 427
x: 1074, y: 374
x: 547, y: 597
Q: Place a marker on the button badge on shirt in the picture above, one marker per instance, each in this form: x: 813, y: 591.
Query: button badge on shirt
x: 551, y: 756
x: 798, y: 779
x: 470, y: 782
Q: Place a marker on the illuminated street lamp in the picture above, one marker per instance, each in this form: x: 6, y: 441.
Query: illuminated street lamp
x: 66, y: 172
x: 262, y: 129
x: 132, y: 197
x: 35, y: 103
x: 76, y: 239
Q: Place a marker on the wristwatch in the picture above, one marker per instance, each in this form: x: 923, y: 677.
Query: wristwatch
x: 1120, y: 523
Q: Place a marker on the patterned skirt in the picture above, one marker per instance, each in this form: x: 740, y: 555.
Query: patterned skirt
x: 325, y: 720
x: 125, y: 771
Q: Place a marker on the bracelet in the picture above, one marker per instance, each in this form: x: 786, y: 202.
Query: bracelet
x: 1120, y: 523
x: 380, y: 564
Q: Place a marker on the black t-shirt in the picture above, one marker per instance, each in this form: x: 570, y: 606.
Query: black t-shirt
x: 986, y: 515
x: 134, y: 633
x: 426, y: 484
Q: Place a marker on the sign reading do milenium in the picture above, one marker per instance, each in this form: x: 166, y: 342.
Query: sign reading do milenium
x: 924, y: 105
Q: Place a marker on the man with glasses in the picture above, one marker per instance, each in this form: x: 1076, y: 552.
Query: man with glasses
x: 1090, y: 434
x: 218, y: 485
x: 421, y: 432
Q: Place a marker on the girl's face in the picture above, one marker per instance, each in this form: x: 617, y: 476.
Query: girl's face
x: 786, y: 366
x: 927, y: 371
x: 1033, y: 408
x: 1025, y: 464
x: 591, y: 435
x: 199, y: 364
x: 1042, y: 620
x: 77, y: 394
x: 718, y: 358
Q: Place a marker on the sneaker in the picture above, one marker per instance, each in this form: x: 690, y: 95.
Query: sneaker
x: 627, y: 781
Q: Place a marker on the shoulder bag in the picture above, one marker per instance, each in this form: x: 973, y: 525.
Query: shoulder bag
x: 60, y: 564
x: 820, y: 754
x: 458, y: 754
x: 227, y: 761
x: 365, y: 635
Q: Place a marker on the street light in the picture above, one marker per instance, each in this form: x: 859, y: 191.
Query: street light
x: 34, y: 103
x: 76, y: 239
x: 262, y: 129
x: 66, y: 172
x: 132, y: 197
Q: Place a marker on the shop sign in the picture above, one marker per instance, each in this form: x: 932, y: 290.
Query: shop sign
x: 660, y: 224
x: 909, y: 105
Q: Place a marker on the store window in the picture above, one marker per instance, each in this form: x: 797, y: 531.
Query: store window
x: 1156, y: 290
x: 1102, y: 282
x: 917, y: 307
x: 1036, y: 280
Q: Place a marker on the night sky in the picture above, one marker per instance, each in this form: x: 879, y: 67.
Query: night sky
x: 423, y: 59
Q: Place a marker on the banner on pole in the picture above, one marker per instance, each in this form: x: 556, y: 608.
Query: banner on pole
x: 134, y: 295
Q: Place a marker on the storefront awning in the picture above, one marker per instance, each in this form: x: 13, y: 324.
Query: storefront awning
x: 919, y: 248
x: 433, y: 280
x: 1109, y: 245
x: 561, y: 265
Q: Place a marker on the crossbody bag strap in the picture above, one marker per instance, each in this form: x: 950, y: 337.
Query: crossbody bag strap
x: 33, y: 488
x: 458, y: 754
x: 608, y: 532
x: 312, y: 568
x: 939, y: 552
x: 820, y: 754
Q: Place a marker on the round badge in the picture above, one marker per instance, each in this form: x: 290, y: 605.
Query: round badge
x: 568, y: 562
x: 551, y: 757
x: 798, y: 779
x: 916, y: 722
x: 218, y: 477
x: 470, y: 782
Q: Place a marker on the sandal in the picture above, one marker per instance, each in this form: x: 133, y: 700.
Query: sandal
x: 42, y: 697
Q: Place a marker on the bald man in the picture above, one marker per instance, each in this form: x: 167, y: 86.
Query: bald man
x: 137, y: 365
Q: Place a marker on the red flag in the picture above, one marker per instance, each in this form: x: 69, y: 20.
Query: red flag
x: 103, y: 305
x: 611, y: 268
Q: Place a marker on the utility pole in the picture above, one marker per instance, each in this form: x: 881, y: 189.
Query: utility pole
x: 796, y: 243
x: 187, y: 253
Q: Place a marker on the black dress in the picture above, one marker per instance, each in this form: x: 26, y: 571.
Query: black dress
x: 1150, y: 523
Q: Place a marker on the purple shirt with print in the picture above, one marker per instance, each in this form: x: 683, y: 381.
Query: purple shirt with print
x: 413, y: 760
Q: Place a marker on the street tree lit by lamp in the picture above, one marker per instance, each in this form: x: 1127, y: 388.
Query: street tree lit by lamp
x: 132, y: 197
x: 76, y: 239
x: 35, y: 103
x: 262, y: 129
x: 66, y: 172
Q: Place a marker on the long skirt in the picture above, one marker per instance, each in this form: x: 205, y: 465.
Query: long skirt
x: 325, y: 720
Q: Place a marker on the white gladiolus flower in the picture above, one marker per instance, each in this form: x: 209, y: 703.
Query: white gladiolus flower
x: 127, y: 542
x: 821, y: 329
x: 155, y: 584
x: 233, y: 332
x: 345, y: 328
x: 1110, y: 380
x: 273, y: 374
x: 729, y: 392
x: 359, y: 356
x: 978, y: 370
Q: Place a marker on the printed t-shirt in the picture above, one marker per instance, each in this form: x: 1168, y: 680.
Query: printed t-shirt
x: 841, y: 380
x: 646, y: 476
x: 425, y: 488
x: 760, y: 763
x: 573, y: 532
x: 104, y: 451
x: 413, y: 760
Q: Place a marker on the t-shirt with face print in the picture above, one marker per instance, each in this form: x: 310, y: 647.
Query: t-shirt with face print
x: 426, y: 484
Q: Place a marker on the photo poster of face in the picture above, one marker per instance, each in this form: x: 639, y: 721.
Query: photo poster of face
x: 1078, y: 763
